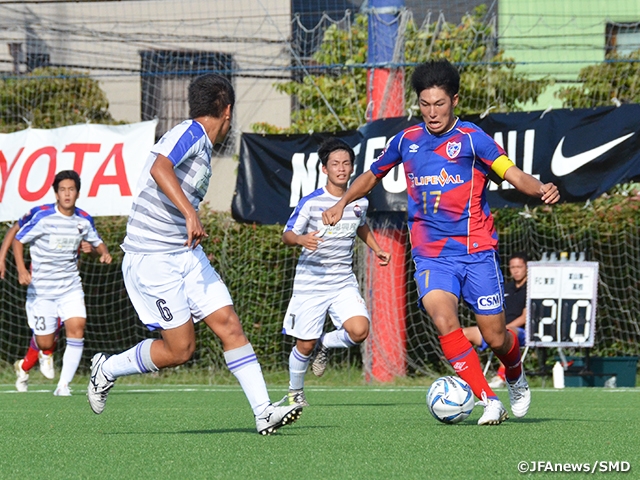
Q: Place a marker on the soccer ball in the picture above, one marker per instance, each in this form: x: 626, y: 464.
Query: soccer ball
x: 450, y: 399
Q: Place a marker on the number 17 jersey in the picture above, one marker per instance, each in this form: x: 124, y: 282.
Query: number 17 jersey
x: 446, y: 179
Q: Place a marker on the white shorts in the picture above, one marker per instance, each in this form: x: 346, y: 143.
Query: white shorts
x: 169, y: 289
x: 43, y: 313
x: 306, y: 314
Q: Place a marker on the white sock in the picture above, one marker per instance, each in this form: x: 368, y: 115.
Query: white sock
x: 71, y: 360
x: 243, y: 363
x: 298, y: 364
x: 338, y: 339
x: 132, y: 361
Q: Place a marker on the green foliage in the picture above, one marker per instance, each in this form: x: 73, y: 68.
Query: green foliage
x: 258, y: 269
x: 488, y: 79
x: 51, y: 97
x: 618, y: 77
x: 607, y: 230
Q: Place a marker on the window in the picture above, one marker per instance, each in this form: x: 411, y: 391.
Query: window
x: 165, y: 77
x: 622, y: 38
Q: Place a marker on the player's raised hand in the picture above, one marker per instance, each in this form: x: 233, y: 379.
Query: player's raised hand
x: 195, y: 231
x: 24, y: 277
x: 332, y: 215
x: 550, y: 193
x: 384, y: 258
x: 310, y: 240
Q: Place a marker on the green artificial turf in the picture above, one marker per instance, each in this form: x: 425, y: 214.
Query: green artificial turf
x: 364, y: 432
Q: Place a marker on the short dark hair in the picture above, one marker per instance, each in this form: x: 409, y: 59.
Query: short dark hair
x: 521, y: 255
x: 331, y: 145
x: 66, y: 175
x: 209, y: 95
x: 436, y: 73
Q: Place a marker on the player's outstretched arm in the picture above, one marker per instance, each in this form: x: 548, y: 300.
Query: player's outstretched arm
x: 103, y: 251
x: 4, y: 249
x: 163, y: 174
x: 366, y: 235
x: 531, y: 186
x: 360, y: 187
x: 24, y: 276
x: 308, y: 241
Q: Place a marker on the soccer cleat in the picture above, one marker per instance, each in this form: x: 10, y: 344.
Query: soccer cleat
x: 319, y: 364
x: 99, y: 385
x: 22, y: 377
x: 62, y: 391
x: 494, y: 411
x: 297, y: 397
x: 497, y: 382
x: 46, y: 365
x: 276, y: 416
x: 519, y: 396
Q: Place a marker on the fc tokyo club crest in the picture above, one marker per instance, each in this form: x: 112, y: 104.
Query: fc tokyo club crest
x: 357, y: 210
x: 453, y: 149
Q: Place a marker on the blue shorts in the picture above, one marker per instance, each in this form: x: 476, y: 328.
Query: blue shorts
x: 477, y: 277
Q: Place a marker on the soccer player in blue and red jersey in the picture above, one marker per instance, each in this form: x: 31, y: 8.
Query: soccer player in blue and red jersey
x: 447, y: 163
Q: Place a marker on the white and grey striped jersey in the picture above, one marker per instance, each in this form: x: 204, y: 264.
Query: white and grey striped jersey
x: 330, y: 266
x: 54, y: 239
x: 155, y: 224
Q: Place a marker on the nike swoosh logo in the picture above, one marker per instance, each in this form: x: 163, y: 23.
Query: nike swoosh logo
x: 561, y: 165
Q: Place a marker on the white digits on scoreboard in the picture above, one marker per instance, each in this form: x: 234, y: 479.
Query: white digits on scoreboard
x: 547, y: 320
x: 573, y: 335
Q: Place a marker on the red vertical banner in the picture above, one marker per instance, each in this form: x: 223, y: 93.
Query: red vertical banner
x: 385, y: 95
x: 387, y: 351
x: 385, y: 99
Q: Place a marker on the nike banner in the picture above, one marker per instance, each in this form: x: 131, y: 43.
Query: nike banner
x: 584, y: 152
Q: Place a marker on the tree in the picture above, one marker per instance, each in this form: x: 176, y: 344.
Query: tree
x: 618, y: 77
x: 51, y: 97
x: 336, y: 86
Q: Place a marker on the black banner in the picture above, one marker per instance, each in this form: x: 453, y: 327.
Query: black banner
x: 584, y: 152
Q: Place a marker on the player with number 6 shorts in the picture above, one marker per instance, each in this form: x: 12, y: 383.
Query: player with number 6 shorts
x: 168, y: 277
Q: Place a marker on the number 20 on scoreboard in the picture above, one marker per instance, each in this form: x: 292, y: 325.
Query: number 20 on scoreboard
x: 561, y: 304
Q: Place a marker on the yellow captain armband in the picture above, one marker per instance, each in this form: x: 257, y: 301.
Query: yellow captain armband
x: 501, y: 164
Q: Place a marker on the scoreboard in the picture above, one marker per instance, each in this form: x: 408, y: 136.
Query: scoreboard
x: 561, y: 304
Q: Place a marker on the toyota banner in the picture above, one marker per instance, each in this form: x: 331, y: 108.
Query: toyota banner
x: 108, y: 158
x: 584, y: 152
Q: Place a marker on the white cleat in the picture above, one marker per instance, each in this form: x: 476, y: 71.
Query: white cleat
x: 497, y: 382
x: 46, y: 365
x: 99, y: 385
x: 519, y: 396
x: 494, y: 411
x: 62, y: 391
x: 22, y: 377
x: 276, y: 416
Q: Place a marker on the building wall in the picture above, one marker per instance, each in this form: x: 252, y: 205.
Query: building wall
x: 558, y: 38
x: 104, y: 38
